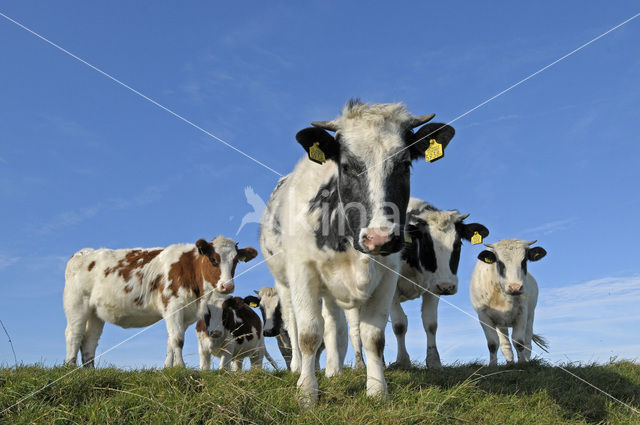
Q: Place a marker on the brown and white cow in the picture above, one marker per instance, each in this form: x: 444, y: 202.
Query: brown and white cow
x: 134, y: 288
x: 232, y: 331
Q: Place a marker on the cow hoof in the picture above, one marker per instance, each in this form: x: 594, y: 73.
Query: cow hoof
x: 434, y: 364
x: 331, y: 372
x: 376, y: 389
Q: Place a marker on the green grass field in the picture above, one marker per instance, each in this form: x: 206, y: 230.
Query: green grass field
x: 470, y: 393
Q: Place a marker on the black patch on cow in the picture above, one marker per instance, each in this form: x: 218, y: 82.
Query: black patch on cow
x: 487, y: 256
x: 454, y: 260
x: 328, y: 145
x: 523, y: 264
x: 327, y: 232
x: 427, y: 252
x: 411, y: 250
x: 501, y: 268
x: 466, y: 231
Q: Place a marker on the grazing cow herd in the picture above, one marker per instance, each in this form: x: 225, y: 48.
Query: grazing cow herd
x: 346, y: 246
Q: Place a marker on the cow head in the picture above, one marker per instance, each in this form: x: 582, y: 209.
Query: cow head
x: 213, y: 317
x: 220, y: 257
x: 510, y: 257
x: 434, y: 243
x: 372, y: 148
x: 269, y: 302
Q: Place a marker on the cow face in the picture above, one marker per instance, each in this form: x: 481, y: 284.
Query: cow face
x: 510, y: 257
x: 213, y: 317
x: 435, y: 241
x: 223, y: 255
x: 372, y: 149
x: 269, y: 303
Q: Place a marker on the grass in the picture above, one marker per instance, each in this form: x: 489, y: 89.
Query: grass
x: 535, y: 393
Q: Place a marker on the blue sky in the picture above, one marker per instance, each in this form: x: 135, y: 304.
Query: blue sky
x: 86, y: 163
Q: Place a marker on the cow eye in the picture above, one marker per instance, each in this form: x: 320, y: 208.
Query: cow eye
x: 213, y: 262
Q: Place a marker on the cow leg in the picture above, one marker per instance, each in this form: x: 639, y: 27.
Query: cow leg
x: 528, y: 336
x: 518, y: 336
x: 204, y: 354
x: 225, y: 361
x: 90, y: 340
x: 353, y: 318
x: 505, y: 344
x: 399, y: 324
x: 175, y: 339
x: 284, y: 344
x: 491, y: 335
x: 335, y: 336
x: 257, y: 356
x: 430, y: 324
x: 236, y: 364
x: 77, y: 311
x: 374, y: 315
x: 289, y: 318
x: 310, y: 324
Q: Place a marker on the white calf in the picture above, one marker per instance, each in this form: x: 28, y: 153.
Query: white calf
x: 505, y: 295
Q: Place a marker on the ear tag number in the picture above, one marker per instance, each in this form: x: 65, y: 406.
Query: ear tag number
x: 407, y: 238
x: 434, y: 151
x: 316, y: 154
x: 252, y: 304
x: 476, y: 238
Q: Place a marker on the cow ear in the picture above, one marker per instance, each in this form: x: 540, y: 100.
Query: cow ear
x: 487, y: 257
x: 204, y: 248
x: 468, y: 230
x: 536, y: 253
x: 252, y: 301
x: 319, y: 145
x: 247, y: 254
x: 421, y: 140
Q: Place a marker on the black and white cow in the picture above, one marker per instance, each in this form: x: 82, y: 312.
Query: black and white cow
x: 505, y: 294
x: 429, y: 270
x: 333, y: 230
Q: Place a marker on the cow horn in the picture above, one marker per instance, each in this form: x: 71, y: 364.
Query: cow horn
x: 489, y: 245
x: 327, y: 125
x: 532, y: 242
x: 257, y: 292
x: 463, y: 216
x: 420, y: 119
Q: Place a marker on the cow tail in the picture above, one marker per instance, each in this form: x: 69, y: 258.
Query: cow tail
x: 541, y: 342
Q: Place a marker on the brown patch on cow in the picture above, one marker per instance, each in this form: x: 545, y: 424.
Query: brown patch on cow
x: 156, y: 283
x: 91, y: 265
x: 399, y: 328
x: 309, y: 343
x: 127, y: 289
x: 497, y: 298
x: 249, y: 321
x: 518, y: 345
x: 201, y: 326
x: 190, y: 272
x: 180, y: 343
x: 135, y: 259
x: 432, y: 328
x: 138, y: 301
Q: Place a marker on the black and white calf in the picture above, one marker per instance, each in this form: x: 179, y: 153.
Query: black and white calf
x: 333, y: 230
x: 429, y: 270
x: 505, y: 294
x: 231, y: 331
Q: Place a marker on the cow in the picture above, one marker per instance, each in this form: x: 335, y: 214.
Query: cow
x: 333, y: 230
x: 134, y: 288
x: 505, y: 294
x: 232, y: 331
x: 269, y: 302
x: 429, y: 270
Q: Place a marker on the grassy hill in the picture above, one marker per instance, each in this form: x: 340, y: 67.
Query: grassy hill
x: 468, y: 393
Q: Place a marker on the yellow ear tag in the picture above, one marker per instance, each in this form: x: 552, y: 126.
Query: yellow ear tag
x: 434, y: 151
x: 253, y: 304
x: 407, y: 238
x: 476, y: 238
x: 488, y: 261
x: 316, y: 154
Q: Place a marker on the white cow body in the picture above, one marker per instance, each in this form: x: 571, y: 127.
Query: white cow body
x: 506, y: 299
x: 138, y: 287
x: 315, y: 253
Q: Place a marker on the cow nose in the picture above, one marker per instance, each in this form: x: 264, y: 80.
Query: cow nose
x: 375, y: 238
x: 215, y: 334
x: 269, y: 332
x: 514, y: 288
x: 445, y: 288
x: 226, y: 288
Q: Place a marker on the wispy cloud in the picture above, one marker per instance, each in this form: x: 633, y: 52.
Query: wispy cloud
x: 6, y: 261
x: 73, y: 129
x: 491, y: 121
x: 552, y: 226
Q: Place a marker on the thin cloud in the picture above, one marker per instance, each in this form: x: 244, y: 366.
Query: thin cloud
x: 552, y: 226
x: 6, y: 261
